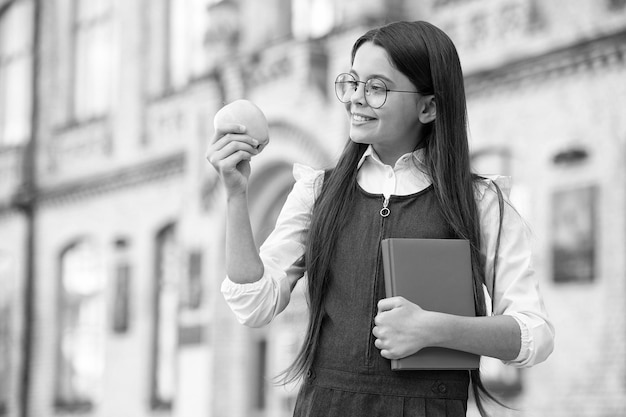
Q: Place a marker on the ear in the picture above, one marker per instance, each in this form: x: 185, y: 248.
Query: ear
x: 428, y: 109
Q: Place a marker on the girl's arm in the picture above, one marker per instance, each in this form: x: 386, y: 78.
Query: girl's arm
x: 403, y: 328
x: 230, y: 153
x: 243, y: 264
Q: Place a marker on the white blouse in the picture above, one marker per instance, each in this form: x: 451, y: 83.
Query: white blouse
x: 517, y: 291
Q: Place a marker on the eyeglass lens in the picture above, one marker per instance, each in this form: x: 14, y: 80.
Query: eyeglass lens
x: 375, y: 90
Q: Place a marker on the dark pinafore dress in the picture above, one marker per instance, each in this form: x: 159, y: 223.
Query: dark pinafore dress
x: 349, y: 377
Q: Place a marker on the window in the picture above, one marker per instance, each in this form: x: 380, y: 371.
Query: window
x: 121, y: 313
x: 93, y: 59
x: 574, y: 234
x: 312, y: 18
x: 122, y: 276
x: 81, y: 331
x: 190, y: 28
x: 178, y: 54
x: 260, y: 376
x: 16, y: 67
x: 166, y: 319
x: 191, y: 287
x: 177, y: 44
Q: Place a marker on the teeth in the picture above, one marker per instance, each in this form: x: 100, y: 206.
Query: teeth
x: 360, y: 118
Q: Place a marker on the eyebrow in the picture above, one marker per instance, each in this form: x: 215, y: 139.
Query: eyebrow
x: 381, y: 76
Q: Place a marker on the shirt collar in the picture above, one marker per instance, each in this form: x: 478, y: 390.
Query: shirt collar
x: 418, y: 155
x: 369, y: 153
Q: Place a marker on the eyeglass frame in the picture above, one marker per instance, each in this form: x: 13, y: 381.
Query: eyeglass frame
x: 365, y: 94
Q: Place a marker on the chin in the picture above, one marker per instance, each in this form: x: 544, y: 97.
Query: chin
x: 358, y: 137
x: 362, y: 141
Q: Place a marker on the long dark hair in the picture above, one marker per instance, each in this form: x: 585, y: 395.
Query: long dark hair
x: 427, y: 56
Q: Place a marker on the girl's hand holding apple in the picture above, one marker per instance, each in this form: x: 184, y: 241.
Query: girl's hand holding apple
x: 241, y: 131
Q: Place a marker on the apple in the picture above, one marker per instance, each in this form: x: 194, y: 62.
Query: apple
x: 248, y: 114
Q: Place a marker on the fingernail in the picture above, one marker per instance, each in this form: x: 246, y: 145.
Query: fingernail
x: 255, y: 143
x: 242, y: 128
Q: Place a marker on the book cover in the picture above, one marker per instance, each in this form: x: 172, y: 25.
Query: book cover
x: 435, y: 274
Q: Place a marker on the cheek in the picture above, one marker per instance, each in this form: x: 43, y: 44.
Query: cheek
x: 394, y: 119
x: 409, y: 115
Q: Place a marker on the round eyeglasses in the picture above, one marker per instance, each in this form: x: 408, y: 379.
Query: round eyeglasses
x: 375, y: 90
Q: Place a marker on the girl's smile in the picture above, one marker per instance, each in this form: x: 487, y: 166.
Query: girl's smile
x: 359, y: 118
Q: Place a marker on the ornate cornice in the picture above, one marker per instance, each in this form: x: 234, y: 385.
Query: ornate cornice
x: 583, y: 56
x: 139, y: 174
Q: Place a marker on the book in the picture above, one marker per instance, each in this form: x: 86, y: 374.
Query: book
x: 435, y: 274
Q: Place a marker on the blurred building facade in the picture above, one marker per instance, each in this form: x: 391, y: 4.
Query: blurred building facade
x: 112, y: 223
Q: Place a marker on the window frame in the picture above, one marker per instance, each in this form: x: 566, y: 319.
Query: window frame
x: 22, y: 56
x: 82, y: 107
x: 75, y: 401
x: 157, y: 401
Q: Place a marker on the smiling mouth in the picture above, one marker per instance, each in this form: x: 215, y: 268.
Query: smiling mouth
x: 361, y: 118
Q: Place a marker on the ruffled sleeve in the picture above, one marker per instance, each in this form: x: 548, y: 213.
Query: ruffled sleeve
x: 309, y: 180
x: 504, y: 182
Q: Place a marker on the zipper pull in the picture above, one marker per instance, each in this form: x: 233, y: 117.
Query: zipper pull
x: 385, y: 211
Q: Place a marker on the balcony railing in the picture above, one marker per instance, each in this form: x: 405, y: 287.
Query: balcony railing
x: 302, y: 65
x: 80, y: 148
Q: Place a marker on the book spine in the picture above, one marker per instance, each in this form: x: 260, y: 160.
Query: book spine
x: 387, y: 268
x: 389, y: 281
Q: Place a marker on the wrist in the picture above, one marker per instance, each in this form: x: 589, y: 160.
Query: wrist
x: 440, y: 331
x: 237, y: 195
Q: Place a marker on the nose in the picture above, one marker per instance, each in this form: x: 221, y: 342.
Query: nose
x: 358, y: 96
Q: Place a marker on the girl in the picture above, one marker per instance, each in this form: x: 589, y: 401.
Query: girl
x: 404, y: 173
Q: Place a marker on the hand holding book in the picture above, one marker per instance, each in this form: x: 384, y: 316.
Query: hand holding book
x: 402, y: 328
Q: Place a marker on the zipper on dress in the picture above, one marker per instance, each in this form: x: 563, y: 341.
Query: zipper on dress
x: 384, y: 212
